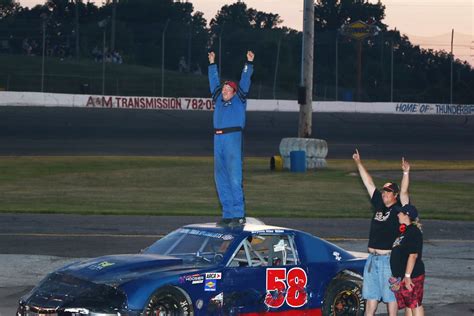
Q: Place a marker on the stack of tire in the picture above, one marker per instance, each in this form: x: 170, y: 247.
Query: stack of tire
x: 316, y: 151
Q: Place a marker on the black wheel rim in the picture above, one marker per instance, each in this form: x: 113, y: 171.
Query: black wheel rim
x: 345, y: 303
x: 165, y: 307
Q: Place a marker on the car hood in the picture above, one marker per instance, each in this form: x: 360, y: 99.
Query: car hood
x: 118, y: 268
x: 96, y: 283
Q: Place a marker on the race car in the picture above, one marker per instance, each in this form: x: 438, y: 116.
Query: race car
x: 209, y: 269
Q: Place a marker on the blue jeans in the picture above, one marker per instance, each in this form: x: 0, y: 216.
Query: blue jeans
x: 376, y: 274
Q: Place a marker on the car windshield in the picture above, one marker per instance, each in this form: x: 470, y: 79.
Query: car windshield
x: 193, y: 245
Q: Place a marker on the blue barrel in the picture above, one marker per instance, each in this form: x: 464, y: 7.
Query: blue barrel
x: 298, y: 161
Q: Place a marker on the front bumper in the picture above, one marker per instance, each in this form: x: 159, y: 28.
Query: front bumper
x: 64, y: 295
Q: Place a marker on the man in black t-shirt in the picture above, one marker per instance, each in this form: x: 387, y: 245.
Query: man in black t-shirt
x: 406, y: 263
x: 383, y: 231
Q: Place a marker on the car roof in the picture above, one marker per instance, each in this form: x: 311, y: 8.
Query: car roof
x: 248, y: 227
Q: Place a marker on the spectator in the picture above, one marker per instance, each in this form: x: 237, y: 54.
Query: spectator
x: 116, y: 57
x: 383, y: 232
x: 197, y: 70
x: 97, y: 54
x: 408, y: 269
x: 182, y: 66
x: 26, y: 47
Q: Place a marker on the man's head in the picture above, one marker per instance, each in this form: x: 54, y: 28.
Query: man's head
x: 390, y: 192
x: 228, y: 90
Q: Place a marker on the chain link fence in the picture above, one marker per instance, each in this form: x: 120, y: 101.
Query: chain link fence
x: 373, y: 70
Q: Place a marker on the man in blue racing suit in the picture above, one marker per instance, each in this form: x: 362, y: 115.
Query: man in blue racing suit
x: 229, y: 122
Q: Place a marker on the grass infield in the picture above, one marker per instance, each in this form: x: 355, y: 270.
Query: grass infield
x: 185, y: 186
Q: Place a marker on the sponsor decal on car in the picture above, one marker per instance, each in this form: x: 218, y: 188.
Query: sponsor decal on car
x: 210, y: 285
x: 194, y: 279
x: 269, y: 231
x: 214, y: 275
x: 198, y: 232
x: 211, y: 280
x: 101, y: 265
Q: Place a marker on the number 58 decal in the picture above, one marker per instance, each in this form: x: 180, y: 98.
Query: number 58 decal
x: 283, y: 287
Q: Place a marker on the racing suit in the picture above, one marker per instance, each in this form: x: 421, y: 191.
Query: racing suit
x: 229, y: 122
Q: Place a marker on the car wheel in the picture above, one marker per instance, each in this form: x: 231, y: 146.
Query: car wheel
x: 344, y: 297
x: 169, y: 301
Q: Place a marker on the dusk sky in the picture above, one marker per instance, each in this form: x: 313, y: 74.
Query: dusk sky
x: 426, y: 22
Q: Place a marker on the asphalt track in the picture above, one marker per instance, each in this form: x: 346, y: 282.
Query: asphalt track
x: 75, y: 131
x: 32, y: 245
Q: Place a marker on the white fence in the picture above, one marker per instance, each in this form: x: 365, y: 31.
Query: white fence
x: 8, y: 98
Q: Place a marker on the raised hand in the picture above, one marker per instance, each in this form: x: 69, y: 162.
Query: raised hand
x: 356, y: 156
x: 212, y: 57
x: 250, y: 55
x: 405, y: 165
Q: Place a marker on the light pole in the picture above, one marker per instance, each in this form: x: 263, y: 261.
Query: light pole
x: 103, y: 25
x: 220, y: 49
x: 163, y: 58
x: 76, y: 28
x: 391, y: 71
x: 44, y: 18
x: 113, y: 26
x: 451, y: 75
x: 276, y: 68
x: 337, y: 64
x: 190, y: 42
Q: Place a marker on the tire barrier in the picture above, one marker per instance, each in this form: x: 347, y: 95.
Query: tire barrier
x: 276, y: 163
x: 316, y: 151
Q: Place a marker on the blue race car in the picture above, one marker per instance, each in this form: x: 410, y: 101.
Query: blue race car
x: 205, y: 269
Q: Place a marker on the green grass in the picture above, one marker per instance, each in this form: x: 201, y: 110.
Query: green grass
x: 185, y: 186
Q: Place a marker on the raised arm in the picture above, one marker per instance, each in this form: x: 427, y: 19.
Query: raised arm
x: 404, y: 196
x: 365, y: 176
x: 213, y: 74
x: 247, y: 72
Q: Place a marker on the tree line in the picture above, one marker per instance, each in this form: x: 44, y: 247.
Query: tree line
x: 392, y: 68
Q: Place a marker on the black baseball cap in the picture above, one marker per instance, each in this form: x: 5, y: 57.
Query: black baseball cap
x: 409, y: 210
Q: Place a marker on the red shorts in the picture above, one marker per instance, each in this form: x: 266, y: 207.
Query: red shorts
x: 413, y: 298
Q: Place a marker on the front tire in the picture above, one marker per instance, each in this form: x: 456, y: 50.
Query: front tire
x: 344, y: 297
x: 169, y: 301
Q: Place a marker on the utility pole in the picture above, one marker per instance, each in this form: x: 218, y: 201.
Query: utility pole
x: 306, y: 108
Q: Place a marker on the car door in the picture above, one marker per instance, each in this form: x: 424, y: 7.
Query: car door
x: 265, y: 274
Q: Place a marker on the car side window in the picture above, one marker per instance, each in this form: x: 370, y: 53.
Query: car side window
x: 265, y: 250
